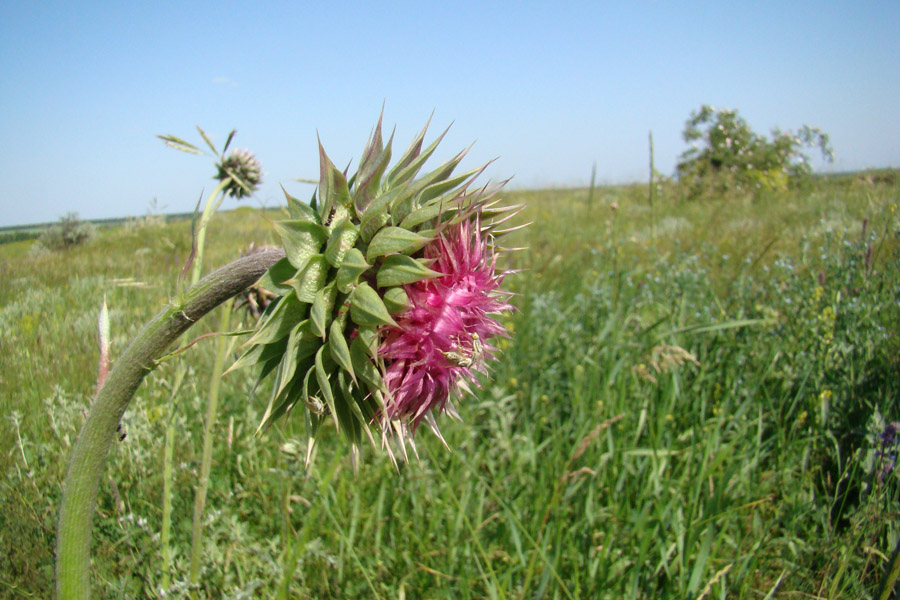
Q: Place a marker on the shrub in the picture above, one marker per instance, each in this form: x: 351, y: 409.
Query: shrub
x: 726, y: 154
x: 68, y: 233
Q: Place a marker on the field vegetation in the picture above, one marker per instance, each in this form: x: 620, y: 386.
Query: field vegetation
x: 696, y: 403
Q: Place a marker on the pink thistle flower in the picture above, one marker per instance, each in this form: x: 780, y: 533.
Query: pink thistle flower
x: 441, y: 340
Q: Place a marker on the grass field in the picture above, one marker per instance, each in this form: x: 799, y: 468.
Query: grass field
x: 690, y: 407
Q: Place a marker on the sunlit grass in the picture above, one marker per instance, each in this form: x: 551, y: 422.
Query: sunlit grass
x: 672, y: 417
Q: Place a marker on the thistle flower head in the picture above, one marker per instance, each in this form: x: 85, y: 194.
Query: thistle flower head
x: 243, y: 172
x: 387, y: 297
x: 440, y: 341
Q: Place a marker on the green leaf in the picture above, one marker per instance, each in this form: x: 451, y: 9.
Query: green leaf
x: 206, y: 139
x: 289, y: 393
x: 258, y: 354
x: 432, y: 210
x: 340, y: 351
x: 372, y: 166
x: 396, y: 300
x: 402, y: 208
x: 411, y: 162
x: 280, y: 321
x: 351, y: 268
x: 436, y: 183
x: 275, y: 279
x: 341, y: 241
x: 394, y: 239
x: 301, y: 239
x: 228, y: 141
x: 289, y: 360
x: 300, y: 211
x: 372, y: 223
x: 363, y: 366
x: 179, y: 144
x: 439, y: 186
x: 366, y: 307
x: 320, y: 313
x: 325, y: 385
x: 370, y: 339
x: 274, y: 358
x: 399, y: 269
x: 349, y: 424
x: 311, y: 279
x: 301, y: 344
x: 333, y: 190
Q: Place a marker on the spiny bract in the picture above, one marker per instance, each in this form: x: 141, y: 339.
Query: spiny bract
x: 387, y: 296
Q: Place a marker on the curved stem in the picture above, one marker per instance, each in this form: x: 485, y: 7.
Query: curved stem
x: 73, y: 546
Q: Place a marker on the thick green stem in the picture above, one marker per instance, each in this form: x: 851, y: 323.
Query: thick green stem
x: 73, y: 547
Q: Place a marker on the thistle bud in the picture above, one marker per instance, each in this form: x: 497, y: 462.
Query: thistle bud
x: 243, y: 172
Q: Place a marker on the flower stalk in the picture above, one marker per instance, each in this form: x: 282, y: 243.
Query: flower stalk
x: 96, y: 436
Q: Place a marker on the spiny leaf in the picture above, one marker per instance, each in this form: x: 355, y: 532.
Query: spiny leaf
x: 372, y: 166
x: 301, y: 239
x: 446, y: 205
x: 396, y: 300
x: 411, y: 154
x: 283, y: 401
x: 300, y: 211
x: 349, y: 425
x: 320, y: 313
x: 351, y: 268
x: 372, y: 224
x: 325, y: 385
x: 366, y: 307
x: 369, y: 338
x: 433, y: 190
x: 333, y: 190
x: 340, y: 351
x: 310, y: 279
x: 275, y: 279
x: 399, y: 269
x: 258, y: 354
x: 341, y: 241
x: 394, y: 239
x: 438, y: 177
x: 280, y: 322
x: 363, y: 366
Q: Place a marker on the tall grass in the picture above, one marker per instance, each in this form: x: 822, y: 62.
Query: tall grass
x: 691, y: 414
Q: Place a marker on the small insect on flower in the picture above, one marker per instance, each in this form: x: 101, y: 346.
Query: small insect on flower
x: 466, y: 360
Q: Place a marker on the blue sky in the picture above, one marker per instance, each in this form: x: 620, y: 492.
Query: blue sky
x: 549, y: 88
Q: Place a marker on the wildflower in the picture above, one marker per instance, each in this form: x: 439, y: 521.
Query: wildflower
x: 889, y: 435
x: 440, y: 341
x: 243, y: 172
x: 387, y: 298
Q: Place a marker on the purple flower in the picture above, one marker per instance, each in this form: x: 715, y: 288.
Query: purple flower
x: 889, y: 435
x: 441, y: 339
